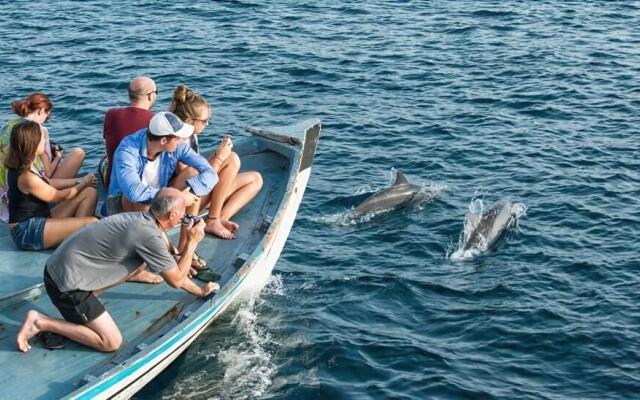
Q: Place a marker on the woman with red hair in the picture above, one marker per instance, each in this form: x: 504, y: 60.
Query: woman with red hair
x: 60, y: 170
x: 37, y: 107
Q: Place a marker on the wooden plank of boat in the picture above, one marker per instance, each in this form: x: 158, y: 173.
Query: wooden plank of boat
x: 157, y: 322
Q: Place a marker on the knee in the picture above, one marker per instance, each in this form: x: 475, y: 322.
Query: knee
x: 91, y: 193
x: 111, y: 343
x: 234, y: 160
x: 77, y: 153
x: 256, y: 178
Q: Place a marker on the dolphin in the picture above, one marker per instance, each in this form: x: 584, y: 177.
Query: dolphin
x: 482, y: 231
x: 400, y: 194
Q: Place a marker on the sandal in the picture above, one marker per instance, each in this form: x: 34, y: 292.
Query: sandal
x: 202, y: 263
x: 208, y: 276
x: 51, y: 341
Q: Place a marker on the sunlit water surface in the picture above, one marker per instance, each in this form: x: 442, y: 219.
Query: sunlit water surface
x: 533, y: 101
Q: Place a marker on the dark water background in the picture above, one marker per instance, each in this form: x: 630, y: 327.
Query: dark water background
x: 535, y: 101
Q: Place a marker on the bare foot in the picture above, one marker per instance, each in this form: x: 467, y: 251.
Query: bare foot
x: 144, y: 276
x: 197, y: 263
x: 29, y: 329
x: 217, y: 228
x: 230, y: 225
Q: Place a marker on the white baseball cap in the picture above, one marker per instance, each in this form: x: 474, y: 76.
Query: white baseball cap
x: 165, y: 123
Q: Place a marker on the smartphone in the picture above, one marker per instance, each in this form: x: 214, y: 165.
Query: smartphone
x: 186, y: 220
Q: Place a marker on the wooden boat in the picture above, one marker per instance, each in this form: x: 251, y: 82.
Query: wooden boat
x: 157, y: 322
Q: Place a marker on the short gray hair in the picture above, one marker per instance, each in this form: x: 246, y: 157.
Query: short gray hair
x: 164, y: 203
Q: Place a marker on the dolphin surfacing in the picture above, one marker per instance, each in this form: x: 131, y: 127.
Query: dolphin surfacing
x: 399, y: 195
x: 482, y: 231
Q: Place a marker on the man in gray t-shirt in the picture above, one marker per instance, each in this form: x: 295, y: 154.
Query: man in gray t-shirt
x: 105, y: 254
x: 108, y: 252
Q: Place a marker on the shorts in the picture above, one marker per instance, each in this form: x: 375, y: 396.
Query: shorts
x: 29, y: 234
x: 114, y: 204
x: 76, y: 306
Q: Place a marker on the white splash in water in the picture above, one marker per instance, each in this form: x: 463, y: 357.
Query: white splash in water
x: 248, y: 369
x: 362, y: 190
x: 275, y: 286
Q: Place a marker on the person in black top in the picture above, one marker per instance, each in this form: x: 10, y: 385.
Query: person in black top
x: 33, y: 225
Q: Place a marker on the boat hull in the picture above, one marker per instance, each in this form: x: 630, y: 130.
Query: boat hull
x: 128, y: 378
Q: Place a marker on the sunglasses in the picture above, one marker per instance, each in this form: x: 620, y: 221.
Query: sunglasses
x: 205, y: 122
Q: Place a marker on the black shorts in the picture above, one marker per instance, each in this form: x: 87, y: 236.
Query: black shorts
x: 77, y: 306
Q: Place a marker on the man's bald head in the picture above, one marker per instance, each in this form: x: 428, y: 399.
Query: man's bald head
x: 166, y: 201
x: 140, y: 87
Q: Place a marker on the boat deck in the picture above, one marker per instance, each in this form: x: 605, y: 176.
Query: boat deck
x: 143, y: 312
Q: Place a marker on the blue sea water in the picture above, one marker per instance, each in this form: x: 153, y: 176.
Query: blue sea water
x: 534, y: 101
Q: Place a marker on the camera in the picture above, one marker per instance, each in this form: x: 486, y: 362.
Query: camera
x: 187, y: 219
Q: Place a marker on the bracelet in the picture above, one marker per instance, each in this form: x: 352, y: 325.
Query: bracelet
x: 210, y: 218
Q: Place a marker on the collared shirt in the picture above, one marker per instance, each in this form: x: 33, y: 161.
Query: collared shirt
x: 131, y: 158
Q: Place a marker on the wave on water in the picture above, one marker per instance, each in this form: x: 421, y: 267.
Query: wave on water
x: 244, y: 358
x: 248, y: 366
x: 473, y: 217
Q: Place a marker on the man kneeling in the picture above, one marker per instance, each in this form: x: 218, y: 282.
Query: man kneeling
x: 103, y: 255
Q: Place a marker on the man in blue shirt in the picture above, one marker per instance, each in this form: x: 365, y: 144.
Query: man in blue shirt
x: 146, y: 161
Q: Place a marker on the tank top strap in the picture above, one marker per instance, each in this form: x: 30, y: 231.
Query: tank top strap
x: 36, y: 172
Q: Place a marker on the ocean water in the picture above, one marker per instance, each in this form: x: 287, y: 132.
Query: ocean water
x: 533, y: 101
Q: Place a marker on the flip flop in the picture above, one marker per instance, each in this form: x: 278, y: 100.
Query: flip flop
x: 208, y: 276
x: 199, y: 260
x: 51, y: 341
x: 196, y: 259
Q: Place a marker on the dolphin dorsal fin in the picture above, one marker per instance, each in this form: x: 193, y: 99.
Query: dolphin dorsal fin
x: 400, y: 179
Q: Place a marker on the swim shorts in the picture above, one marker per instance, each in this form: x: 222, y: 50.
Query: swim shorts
x: 77, y: 306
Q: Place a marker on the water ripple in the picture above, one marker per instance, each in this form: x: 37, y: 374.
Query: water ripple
x: 535, y: 102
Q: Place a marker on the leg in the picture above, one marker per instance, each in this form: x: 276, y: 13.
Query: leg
x: 132, y: 277
x: 68, y: 167
x: 102, y: 333
x: 142, y: 275
x: 83, y: 205
x: 58, y: 229
x: 245, y: 187
x: 180, y: 182
x: 130, y: 206
x: 222, y: 190
x: 216, y: 225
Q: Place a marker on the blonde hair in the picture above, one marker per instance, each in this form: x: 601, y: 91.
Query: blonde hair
x: 186, y: 103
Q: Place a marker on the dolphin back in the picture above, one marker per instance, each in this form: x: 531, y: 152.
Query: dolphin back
x: 492, y: 224
x: 400, y: 194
